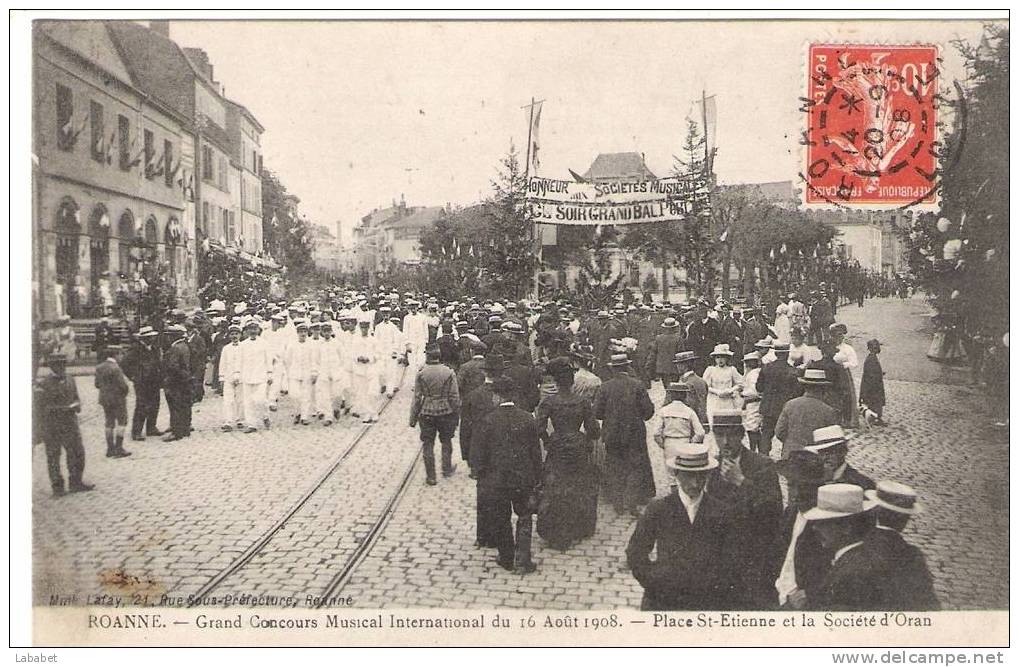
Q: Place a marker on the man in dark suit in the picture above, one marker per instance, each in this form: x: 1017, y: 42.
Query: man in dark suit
x: 623, y: 405
x: 506, y: 456
x: 526, y: 382
x: 477, y: 403
x: 701, y: 337
x: 471, y: 374
x: 898, y: 579
x: 659, y: 362
x: 143, y: 366
x: 842, y: 519
x: 697, y: 542
x: 730, y: 331
x: 831, y: 444
x: 177, y: 381
x: 777, y: 383
x: 747, y: 482
x: 799, y: 562
x: 684, y: 362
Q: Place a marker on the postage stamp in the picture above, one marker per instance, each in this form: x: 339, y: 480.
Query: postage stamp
x: 872, y: 126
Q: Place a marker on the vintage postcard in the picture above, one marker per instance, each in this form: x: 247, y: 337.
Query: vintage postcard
x: 442, y: 331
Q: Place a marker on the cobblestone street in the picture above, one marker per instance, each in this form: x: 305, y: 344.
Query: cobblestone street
x: 169, y: 518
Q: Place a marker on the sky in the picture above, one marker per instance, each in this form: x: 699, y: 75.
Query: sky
x: 358, y: 114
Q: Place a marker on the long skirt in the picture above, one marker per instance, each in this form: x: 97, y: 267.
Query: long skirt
x: 568, y: 506
x: 847, y: 406
x: 627, y: 478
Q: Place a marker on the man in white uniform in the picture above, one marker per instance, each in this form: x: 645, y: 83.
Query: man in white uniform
x: 415, y: 332
x: 301, y: 366
x: 364, y: 374
x: 390, y: 344
x: 230, y: 380
x: 256, y: 373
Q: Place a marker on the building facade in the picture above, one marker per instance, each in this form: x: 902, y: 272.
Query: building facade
x: 110, y: 207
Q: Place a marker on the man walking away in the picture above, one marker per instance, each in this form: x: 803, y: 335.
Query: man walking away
x: 143, y: 366
x: 177, y: 381
x: 436, y: 405
x: 506, y: 455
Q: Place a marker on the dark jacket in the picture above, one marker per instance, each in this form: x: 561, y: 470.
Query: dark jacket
x: 449, y: 351
x: 199, y: 352
x: 872, y: 386
x: 663, y: 350
x: 885, y: 573
x: 470, y: 377
x: 777, y: 384
x: 757, y: 508
x: 853, y: 476
x: 477, y: 404
x: 701, y: 337
x: 111, y: 382
x: 505, y: 452
x: 177, y: 367
x: 144, y: 365
x: 623, y: 405
x: 730, y: 331
x: 696, y: 564
x: 526, y: 381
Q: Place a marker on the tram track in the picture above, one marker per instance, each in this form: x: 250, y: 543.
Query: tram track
x: 233, y: 573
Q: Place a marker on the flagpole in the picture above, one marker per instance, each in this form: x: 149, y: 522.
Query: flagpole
x: 704, y: 120
x: 535, y: 237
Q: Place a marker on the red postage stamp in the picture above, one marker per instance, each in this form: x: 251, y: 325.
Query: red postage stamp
x: 872, y: 129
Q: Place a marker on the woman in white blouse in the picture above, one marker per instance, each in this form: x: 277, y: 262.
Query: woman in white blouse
x: 724, y: 382
x: 845, y: 355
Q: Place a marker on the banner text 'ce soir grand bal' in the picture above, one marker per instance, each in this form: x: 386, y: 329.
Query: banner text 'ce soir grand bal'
x: 560, y: 202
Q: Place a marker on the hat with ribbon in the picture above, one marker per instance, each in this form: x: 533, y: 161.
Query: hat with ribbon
x: 894, y: 496
x: 684, y: 357
x: 815, y: 376
x: 837, y: 501
x: 670, y: 323
x: 692, y: 457
x: 721, y: 350
x: 826, y: 437
x: 726, y: 417
x: 678, y: 387
x: 618, y: 360
x: 146, y: 332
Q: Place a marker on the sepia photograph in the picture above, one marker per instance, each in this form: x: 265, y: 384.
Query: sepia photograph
x: 565, y: 330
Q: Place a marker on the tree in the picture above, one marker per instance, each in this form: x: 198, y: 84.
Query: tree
x: 286, y: 235
x: 488, y: 248
x: 962, y: 262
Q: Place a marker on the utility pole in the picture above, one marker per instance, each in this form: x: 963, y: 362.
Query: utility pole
x: 535, y: 236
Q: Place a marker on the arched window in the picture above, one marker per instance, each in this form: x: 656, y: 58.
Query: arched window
x: 68, y: 216
x: 127, y: 233
x: 174, y: 248
x: 99, y: 244
x: 151, y: 231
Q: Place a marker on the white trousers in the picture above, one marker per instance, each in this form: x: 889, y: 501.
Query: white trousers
x: 254, y: 404
x: 365, y: 390
x: 389, y: 373
x: 233, y: 403
x: 302, y: 392
x: 325, y: 395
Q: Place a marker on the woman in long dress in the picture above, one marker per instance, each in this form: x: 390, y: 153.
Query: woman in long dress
x: 846, y: 357
x: 568, y: 505
x: 724, y: 382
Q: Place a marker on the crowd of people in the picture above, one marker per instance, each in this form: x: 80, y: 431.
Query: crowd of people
x: 552, y: 404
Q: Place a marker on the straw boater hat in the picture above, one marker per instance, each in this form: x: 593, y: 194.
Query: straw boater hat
x: 838, y: 327
x: 755, y: 356
x: 765, y: 342
x: 603, y: 315
x: 678, y: 387
x: 582, y: 351
x: 670, y: 323
x: 826, y: 437
x: 780, y: 347
x: 894, y: 496
x: 837, y: 501
x: 727, y: 418
x: 146, y: 332
x: 234, y: 327
x: 692, y: 457
x: 683, y: 357
x: 721, y: 350
x: 619, y: 360
x: 814, y: 376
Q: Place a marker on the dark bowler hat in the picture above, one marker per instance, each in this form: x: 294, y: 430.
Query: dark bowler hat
x: 493, y: 362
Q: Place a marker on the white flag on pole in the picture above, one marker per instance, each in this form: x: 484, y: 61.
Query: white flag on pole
x: 708, y: 116
x: 535, y: 121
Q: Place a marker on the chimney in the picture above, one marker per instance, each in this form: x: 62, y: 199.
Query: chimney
x: 201, y: 61
x: 162, y: 27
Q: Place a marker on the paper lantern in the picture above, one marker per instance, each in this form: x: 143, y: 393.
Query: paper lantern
x: 944, y: 224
